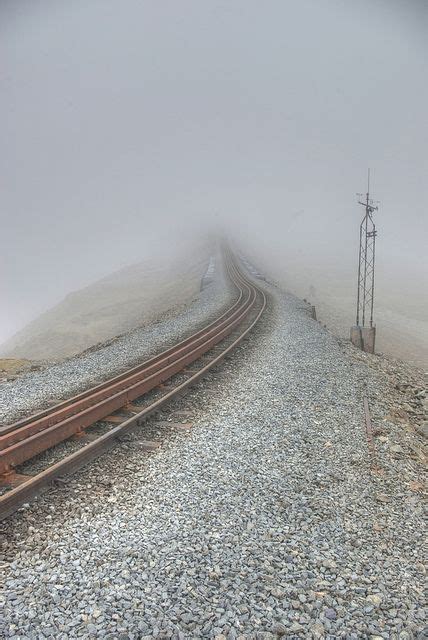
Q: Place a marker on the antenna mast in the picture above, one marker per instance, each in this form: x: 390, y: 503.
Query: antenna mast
x: 366, y: 271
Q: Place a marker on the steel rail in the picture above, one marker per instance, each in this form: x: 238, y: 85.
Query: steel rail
x: 33, y: 435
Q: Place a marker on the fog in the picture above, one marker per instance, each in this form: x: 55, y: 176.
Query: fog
x: 134, y: 128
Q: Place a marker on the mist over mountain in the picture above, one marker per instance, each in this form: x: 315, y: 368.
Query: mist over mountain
x: 131, y: 297
x: 130, y: 130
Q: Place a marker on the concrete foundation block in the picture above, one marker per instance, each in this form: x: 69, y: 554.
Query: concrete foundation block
x: 356, y: 337
x: 369, y: 336
x: 364, y: 338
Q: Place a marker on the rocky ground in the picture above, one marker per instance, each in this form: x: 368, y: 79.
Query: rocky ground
x: 260, y: 514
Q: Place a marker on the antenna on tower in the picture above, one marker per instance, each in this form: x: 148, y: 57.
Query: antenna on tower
x: 363, y: 335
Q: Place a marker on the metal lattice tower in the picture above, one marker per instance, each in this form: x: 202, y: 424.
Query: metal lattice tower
x: 366, y: 265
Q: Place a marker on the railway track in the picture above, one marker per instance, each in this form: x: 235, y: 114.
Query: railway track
x: 97, y: 418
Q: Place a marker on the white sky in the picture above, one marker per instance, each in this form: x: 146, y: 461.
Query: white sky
x: 128, y: 124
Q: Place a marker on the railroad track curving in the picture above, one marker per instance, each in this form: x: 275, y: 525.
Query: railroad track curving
x: 100, y: 416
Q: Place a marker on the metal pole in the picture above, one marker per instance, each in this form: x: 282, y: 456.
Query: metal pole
x: 373, y: 274
x: 359, y: 275
x: 365, y: 262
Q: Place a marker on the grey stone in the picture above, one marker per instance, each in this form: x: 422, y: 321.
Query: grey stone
x: 279, y: 629
x: 330, y: 614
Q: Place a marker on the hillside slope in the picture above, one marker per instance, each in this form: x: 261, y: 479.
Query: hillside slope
x: 113, y: 305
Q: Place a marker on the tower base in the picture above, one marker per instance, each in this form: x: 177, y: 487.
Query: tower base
x: 364, y: 338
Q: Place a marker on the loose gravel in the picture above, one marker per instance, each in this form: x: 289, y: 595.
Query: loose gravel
x: 37, y: 389
x: 263, y: 519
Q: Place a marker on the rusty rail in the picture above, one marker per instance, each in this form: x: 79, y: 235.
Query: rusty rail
x: 26, y: 438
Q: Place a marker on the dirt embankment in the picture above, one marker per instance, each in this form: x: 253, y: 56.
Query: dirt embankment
x: 11, y: 368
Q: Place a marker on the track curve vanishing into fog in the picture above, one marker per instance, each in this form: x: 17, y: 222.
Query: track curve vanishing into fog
x: 124, y: 401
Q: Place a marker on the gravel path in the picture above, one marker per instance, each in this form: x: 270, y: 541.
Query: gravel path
x: 263, y: 519
x: 34, y: 390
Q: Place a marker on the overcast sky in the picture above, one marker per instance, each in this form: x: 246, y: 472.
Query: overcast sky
x: 129, y: 123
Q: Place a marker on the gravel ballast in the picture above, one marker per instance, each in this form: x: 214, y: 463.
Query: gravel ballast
x: 262, y: 519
